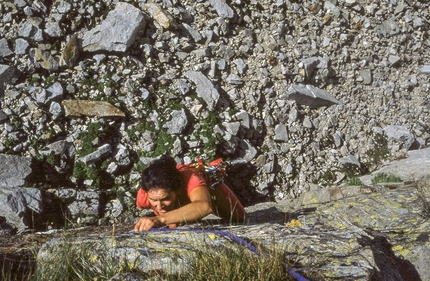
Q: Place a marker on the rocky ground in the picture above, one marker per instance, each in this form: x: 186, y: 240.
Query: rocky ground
x: 370, y: 232
x: 298, y: 91
x: 297, y: 95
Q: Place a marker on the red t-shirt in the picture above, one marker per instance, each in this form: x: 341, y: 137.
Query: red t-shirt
x: 192, y: 180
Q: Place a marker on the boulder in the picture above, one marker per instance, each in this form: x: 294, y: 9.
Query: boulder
x: 413, y: 167
x: 18, y: 205
x: 14, y: 170
x: 90, y: 108
x: 367, y: 233
x: 310, y: 96
x: 117, y: 32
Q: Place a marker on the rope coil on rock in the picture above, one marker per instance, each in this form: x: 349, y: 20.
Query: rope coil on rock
x: 238, y: 240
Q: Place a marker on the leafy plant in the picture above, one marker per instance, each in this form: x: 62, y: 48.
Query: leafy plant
x: 50, y: 80
x: 135, y: 131
x: 95, y: 172
x: 379, y: 152
x: 94, y: 131
x: 328, y: 177
x: 164, y: 144
x: 350, y: 170
x: 9, y: 144
x: 206, y: 133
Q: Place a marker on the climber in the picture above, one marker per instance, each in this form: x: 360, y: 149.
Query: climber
x: 178, y: 194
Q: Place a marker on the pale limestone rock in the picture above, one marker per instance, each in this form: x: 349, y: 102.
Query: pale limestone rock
x: 90, y: 108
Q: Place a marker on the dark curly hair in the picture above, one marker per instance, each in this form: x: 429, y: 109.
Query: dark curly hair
x: 161, y: 173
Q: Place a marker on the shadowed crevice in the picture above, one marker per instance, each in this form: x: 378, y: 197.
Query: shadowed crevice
x: 389, y: 266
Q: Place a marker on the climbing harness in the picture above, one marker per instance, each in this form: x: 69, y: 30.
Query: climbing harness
x: 238, y: 240
x: 213, y: 172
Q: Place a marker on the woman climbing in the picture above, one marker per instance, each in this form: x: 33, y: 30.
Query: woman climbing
x: 179, y: 194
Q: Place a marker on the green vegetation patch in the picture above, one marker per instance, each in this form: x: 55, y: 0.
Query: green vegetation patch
x: 207, y: 135
x: 73, y: 261
x: 379, y: 152
x: 354, y: 181
x: 237, y: 264
x: 94, y: 171
x: 384, y: 178
x: 87, y: 137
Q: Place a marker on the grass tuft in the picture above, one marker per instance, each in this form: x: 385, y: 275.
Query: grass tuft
x: 237, y: 264
x: 354, y: 181
x: 383, y: 178
x: 79, y: 262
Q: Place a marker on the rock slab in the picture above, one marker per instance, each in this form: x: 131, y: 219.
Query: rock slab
x: 381, y: 234
x: 117, y: 32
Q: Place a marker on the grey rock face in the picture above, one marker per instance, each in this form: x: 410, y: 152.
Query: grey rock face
x: 401, y: 135
x: 21, y: 46
x: 204, y: 88
x: 281, y: 133
x: 310, y: 96
x: 178, y: 122
x: 222, y: 9
x: 55, y: 92
x: 64, y: 151
x: 14, y: 170
x: 117, y: 32
x: 223, y: 63
x: 17, y: 205
x: 81, y: 206
x: 4, y: 48
x: 8, y: 75
x: 294, y: 92
x: 293, y: 88
x: 414, y: 167
x: 101, y: 153
x: 335, y: 233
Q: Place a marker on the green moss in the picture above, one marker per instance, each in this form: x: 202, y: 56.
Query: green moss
x: 91, y: 83
x: 95, y: 172
x: 33, y: 80
x: 175, y: 104
x: 16, y: 122
x: 164, y: 144
x: 51, y: 159
x: 136, y: 131
x: 140, y: 167
x: 94, y: 130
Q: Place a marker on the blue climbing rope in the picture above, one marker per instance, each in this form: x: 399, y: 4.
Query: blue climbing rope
x: 238, y: 240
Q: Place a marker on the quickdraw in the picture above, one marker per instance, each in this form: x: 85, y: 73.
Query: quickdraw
x: 214, y: 172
